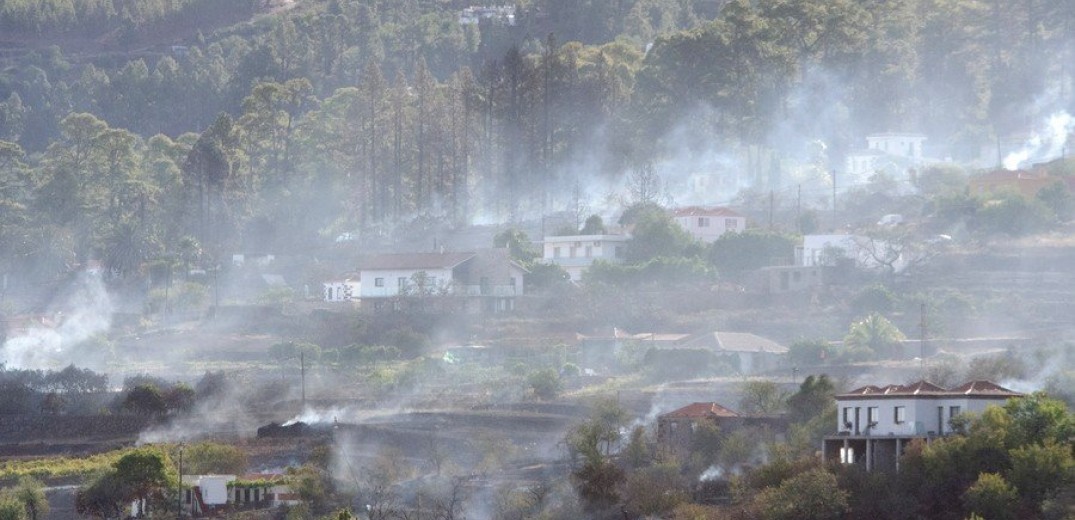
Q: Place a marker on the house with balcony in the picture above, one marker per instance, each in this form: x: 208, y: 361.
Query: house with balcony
x: 875, y: 424
x: 486, y: 280
x: 709, y: 224
x: 576, y: 253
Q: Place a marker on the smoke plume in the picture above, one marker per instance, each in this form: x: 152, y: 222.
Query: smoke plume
x: 86, y: 313
x: 1045, y: 144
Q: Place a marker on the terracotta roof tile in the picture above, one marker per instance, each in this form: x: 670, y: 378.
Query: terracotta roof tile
x: 925, y: 388
x: 983, y: 387
x: 701, y: 410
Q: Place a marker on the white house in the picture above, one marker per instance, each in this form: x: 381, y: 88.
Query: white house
x: 901, y: 144
x: 875, y: 424
x: 865, y: 252
x: 709, y: 224
x: 576, y: 253
x: 403, y: 274
x: 889, y: 151
x: 337, y: 291
x: 488, y: 277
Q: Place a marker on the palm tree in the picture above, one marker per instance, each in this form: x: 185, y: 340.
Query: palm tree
x: 873, y: 335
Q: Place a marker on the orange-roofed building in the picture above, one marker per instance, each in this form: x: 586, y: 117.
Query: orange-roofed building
x: 676, y: 429
x: 1025, y: 183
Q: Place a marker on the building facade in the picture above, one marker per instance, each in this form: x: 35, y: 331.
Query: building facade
x: 709, y: 224
x: 576, y: 253
x: 875, y: 424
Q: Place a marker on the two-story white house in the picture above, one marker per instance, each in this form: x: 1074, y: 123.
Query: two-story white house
x: 709, y: 224
x: 576, y: 253
x: 889, y: 152
x: 875, y: 424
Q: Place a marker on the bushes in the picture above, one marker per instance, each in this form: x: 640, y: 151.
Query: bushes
x: 661, y: 271
x: 545, y: 384
x: 734, y: 253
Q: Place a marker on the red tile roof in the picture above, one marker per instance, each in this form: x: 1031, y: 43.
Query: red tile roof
x: 700, y: 410
x: 925, y: 388
x: 983, y: 388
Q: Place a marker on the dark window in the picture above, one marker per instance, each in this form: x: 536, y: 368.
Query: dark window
x: 378, y: 282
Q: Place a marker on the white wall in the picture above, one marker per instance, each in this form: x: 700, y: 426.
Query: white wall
x: 390, y: 288
x: 578, y: 252
x: 341, y: 291
x: 920, y: 414
x: 718, y: 225
x: 904, y: 145
x: 214, y: 488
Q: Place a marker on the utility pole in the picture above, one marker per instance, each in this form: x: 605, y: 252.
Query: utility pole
x: 834, y: 199
x: 302, y: 372
x: 798, y: 206
x: 770, y: 210
x: 179, y: 504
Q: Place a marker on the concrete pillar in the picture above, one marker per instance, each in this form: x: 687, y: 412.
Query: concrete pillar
x: 899, y: 453
x: 869, y: 455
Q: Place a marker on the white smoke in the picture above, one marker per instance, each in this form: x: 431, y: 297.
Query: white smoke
x: 316, y: 416
x: 1045, y: 144
x: 712, y: 473
x: 86, y: 313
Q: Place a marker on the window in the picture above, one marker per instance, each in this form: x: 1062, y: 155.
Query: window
x: 731, y: 223
x: 847, y: 455
x: 589, y: 251
x: 402, y: 282
x: 597, y: 243
x: 900, y: 415
x: 847, y: 418
x: 952, y: 412
x: 619, y: 252
x: 703, y: 221
x: 871, y: 416
x: 556, y: 252
x: 572, y: 252
x: 378, y: 282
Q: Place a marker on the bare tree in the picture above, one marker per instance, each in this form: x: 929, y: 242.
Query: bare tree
x: 449, y: 505
x: 644, y: 184
x: 898, y: 250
